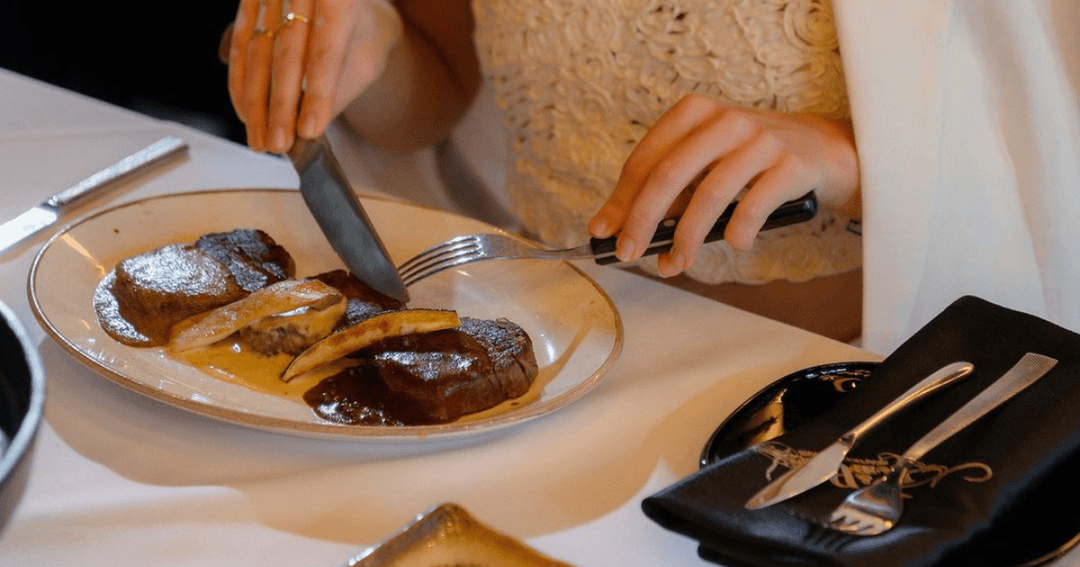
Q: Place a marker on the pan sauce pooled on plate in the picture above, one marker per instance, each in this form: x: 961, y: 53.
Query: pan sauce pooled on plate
x: 402, y: 366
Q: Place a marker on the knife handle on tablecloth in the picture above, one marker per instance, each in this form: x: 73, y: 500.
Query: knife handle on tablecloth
x: 48, y: 213
x: 157, y: 151
x: 798, y: 210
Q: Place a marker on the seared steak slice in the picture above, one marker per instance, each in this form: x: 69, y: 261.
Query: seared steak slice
x: 363, y: 301
x: 450, y: 373
x: 253, y: 258
x: 154, y: 290
x: 146, y: 294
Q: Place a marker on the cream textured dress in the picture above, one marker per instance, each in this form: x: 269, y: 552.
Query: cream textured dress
x: 969, y: 184
x: 581, y: 81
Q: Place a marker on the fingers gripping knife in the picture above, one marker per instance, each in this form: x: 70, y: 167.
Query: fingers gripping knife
x: 342, y: 218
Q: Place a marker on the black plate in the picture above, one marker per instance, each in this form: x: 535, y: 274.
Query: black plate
x: 22, y: 402
x: 801, y: 396
x: 785, y: 404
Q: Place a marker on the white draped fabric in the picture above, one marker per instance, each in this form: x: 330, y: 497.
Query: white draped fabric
x: 967, y: 119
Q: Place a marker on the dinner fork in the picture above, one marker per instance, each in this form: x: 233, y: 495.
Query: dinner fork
x: 876, y: 508
x: 474, y: 247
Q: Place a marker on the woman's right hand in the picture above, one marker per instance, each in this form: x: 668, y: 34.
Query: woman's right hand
x: 718, y: 149
x: 290, y: 76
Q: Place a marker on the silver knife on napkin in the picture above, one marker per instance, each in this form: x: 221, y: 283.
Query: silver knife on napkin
x: 49, y: 211
x: 342, y: 219
x: 823, y: 466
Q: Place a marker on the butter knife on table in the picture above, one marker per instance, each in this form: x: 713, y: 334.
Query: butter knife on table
x: 52, y: 209
x: 823, y: 466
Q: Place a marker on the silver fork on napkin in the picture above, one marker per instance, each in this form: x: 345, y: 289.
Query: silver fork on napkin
x: 876, y: 508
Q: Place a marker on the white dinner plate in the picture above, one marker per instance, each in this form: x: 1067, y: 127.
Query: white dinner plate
x: 575, y: 328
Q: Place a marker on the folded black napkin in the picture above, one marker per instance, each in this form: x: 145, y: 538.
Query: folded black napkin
x: 999, y: 493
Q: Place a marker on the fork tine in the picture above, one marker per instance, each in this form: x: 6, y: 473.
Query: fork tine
x: 863, y: 529
x: 825, y: 536
x: 436, y: 258
x: 868, y: 530
x: 845, y: 524
x: 472, y: 247
x: 445, y: 264
x: 436, y: 251
x: 453, y: 252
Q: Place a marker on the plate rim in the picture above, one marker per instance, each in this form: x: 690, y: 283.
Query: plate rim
x: 323, y: 429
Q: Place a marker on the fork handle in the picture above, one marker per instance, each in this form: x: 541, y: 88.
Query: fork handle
x: 797, y: 210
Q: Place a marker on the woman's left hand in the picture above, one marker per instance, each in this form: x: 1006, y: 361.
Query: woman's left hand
x: 702, y: 152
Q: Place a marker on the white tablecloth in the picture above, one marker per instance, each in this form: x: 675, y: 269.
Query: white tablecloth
x: 119, y: 479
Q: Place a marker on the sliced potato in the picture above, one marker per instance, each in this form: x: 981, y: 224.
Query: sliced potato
x: 293, y: 331
x: 205, y: 329
x: 367, y: 332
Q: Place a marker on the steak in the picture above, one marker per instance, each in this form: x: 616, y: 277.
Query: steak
x: 453, y: 372
x: 364, y: 302
x: 413, y: 379
x: 252, y: 257
x: 146, y: 294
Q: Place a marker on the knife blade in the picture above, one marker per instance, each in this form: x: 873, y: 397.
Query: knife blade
x: 52, y: 209
x: 823, y: 466
x: 342, y: 218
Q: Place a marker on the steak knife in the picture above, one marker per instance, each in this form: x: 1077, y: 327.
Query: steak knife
x: 50, y: 211
x: 794, y: 211
x: 824, y: 465
x: 342, y: 219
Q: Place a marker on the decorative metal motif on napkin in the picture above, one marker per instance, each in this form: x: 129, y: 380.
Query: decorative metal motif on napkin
x: 858, y: 472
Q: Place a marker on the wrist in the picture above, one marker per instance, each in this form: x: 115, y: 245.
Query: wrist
x: 843, y: 193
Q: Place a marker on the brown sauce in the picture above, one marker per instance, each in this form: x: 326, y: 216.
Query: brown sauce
x: 358, y: 396
x: 338, y: 392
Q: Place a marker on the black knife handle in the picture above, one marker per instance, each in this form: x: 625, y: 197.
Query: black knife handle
x: 797, y: 210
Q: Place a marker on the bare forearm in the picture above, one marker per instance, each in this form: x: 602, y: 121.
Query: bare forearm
x: 414, y: 103
x: 429, y: 81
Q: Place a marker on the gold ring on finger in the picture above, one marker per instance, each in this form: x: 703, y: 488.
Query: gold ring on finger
x: 260, y: 32
x: 293, y: 17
